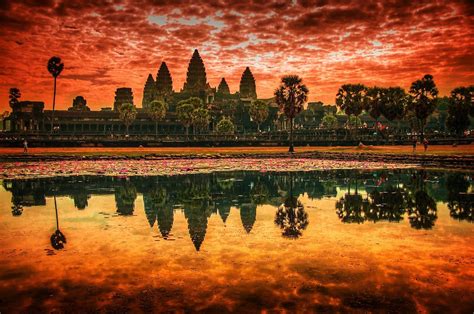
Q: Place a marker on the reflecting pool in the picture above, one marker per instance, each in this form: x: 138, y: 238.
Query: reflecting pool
x: 245, y: 241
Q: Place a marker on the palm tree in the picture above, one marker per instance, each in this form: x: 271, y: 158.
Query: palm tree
x: 14, y: 95
x: 350, y: 99
x: 458, y: 109
x: 373, y: 101
x: 291, y: 216
x: 127, y: 113
x: 290, y: 96
x: 58, y: 239
x: 424, y: 94
x: 157, y: 111
x: 258, y: 112
x: 394, y: 103
x: 55, y: 67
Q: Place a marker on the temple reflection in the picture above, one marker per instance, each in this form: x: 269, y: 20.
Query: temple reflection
x: 360, y: 197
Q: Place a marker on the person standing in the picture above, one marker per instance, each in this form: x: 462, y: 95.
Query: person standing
x: 25, y: 147
x: 414, y: 145
x: 425, y: 144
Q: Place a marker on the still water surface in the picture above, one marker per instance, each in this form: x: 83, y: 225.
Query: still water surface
x: 392, y: 240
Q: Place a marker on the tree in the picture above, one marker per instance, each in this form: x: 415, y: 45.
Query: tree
x: 14, y: 95
x: 290, y: 96
x: 200, y: 118
x: 353, y: 120
x: 157, y: 111
x: 350, y: 99
x: 184, y: 113
x: 373, y: 101
x: 394, y: 102
x: 225, y: 126
x: 329, y: 121
x: 291, y: 216
x: 458, y: 109
x: 127, y: 113
x: 196, y: 102
x: 424, y: 93
x: 258, y: 112
x: 55, y: 67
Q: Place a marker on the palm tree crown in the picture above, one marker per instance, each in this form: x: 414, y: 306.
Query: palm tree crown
x: 55, y: 66
x: 291, y: 95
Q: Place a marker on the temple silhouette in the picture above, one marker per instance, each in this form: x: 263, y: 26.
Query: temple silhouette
x: 31, y: 116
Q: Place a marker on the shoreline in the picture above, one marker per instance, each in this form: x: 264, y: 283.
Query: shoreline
x: 461, y: 157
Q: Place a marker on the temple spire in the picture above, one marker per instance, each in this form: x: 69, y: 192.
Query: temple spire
x: 164, y: 82
x: 149, y: 91
x: 196, y: 77
x: 247, y: 85
x: 223, y: 88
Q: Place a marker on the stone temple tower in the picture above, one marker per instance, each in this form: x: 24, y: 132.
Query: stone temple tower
x: 223, y: 87
x: 149, y: 92
x: 123, y: 95
x: 164, y: 82
x: 247, y: 85
x: 196, y: 80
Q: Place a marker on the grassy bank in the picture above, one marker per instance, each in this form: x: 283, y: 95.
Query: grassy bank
x: 436, y: 150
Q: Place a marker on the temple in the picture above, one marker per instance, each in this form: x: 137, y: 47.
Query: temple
x: 79, y: 119
x: 247, y: 85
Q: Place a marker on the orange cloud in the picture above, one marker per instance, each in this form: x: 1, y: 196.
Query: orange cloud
x: 106, y: 44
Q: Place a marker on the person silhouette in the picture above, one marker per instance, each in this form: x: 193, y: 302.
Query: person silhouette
x: 25, y: 146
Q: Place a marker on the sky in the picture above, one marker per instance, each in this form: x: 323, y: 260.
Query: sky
x: 109, y: 44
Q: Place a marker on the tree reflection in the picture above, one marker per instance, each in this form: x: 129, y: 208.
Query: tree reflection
x: 422, y: 211
x: 17, y: 210
x: 58, y: 239
x: 125, y: 196
x: 351, y: 208
x: 460, y: 202
x: 291, y: 216
x: 388, y: 204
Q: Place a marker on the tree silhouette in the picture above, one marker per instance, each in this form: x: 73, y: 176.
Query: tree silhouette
x: 459, y: 106
x: 373, y: 102
x: 351, y: 208
x: 17, y: 210
x: 423, y: 104
x: 55, y: 67
x: 128, y: 114
x: 258, y: 112
x: 394, y: 103
x: 248, y: 215
x: 422, y: 211
x: 460, y: 202
x: 350, y: 98
x: 291, y: 216
x: 14, y: 96
x: 157, y: 111
x: 388, y: 204
x: 58, y: 239
x: 290, y: 96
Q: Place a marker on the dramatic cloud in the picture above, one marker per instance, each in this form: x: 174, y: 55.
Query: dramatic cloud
x: 114, y: 43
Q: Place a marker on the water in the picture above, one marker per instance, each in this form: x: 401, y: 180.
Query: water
x: 393, y: 240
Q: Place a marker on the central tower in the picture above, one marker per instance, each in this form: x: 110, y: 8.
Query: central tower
x: 196, y: 80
